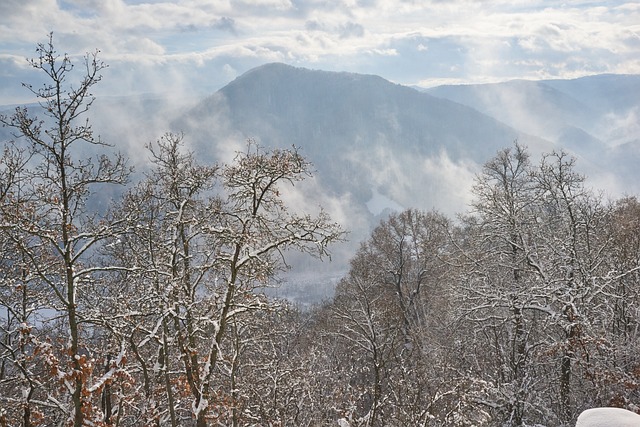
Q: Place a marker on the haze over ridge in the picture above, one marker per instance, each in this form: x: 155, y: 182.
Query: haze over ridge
x: 378, y: 146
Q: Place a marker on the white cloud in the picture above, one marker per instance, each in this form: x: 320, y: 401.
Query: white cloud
x: 407, y: 42
x: 453, y: 181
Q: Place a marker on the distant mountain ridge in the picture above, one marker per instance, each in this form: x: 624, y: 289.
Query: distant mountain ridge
x: 513, y: 102
x: 547, y: 108
x: 596, y: 117
x: 349, y: 124
x: 379, y: 146
x: 306, y: 105
x: 369, y: 136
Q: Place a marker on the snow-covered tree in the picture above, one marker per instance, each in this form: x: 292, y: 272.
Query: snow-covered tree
x: 390, y: 312
x: 499, y: 278
x: 205, y: 240
x: 22, y: 380
x: 537, y: 284
x: 46, y: 219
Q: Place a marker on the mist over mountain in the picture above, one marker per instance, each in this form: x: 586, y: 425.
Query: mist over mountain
x: 376, y: 146
x: 597, y: 118
x: 369, y: 139
x: 379, y: 147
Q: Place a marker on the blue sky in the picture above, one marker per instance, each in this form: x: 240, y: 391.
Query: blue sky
x: 194, y: 47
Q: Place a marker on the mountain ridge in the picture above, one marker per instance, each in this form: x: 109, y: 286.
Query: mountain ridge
x: 379, y: 146
x: 296, y: 97
x: 348, y: 117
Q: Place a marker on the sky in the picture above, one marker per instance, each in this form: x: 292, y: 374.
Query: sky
x: 194, y: 47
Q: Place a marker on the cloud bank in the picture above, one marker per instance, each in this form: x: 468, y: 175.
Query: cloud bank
x: 197, y: 46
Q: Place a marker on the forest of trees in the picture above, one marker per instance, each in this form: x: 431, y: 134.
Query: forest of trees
x: 151, y: 312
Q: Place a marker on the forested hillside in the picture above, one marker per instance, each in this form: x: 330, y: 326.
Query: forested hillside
x: 522, y: 311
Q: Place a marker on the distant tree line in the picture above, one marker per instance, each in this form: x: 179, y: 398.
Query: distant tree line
x: 524, y: 311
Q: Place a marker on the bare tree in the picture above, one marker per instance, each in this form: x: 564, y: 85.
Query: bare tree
x: 390, y: 311
x: 20, y: 301
x: 54, y: 232
x: 576, y: 241
x: 207, y: 240
x: 498, y: 285
x: 537, y: 254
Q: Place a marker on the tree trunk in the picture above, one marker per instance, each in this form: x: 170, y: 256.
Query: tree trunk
x: 167, y: 380
x: 518, y: 363
x: 565, y: 375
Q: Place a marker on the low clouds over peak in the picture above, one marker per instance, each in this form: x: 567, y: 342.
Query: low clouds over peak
x: 408, y: 42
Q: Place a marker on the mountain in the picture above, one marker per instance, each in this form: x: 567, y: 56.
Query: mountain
x: 596, y: 117
x: 605, y: 92
x: 378, y: 147
x: 365, y: 135
x: 531, y: 106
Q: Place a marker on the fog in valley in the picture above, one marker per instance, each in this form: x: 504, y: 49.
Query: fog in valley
x: 379, y: 147
x: 303, y: 247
